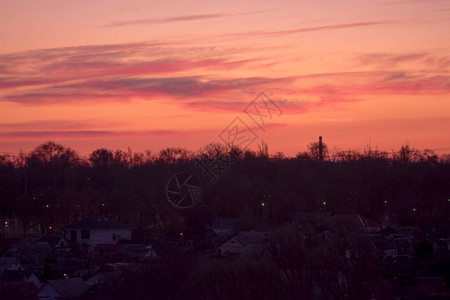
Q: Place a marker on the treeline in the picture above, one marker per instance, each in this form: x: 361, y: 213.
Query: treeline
x: 52, y: 185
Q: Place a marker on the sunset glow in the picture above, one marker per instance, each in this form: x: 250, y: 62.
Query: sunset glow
x: 150, y: 75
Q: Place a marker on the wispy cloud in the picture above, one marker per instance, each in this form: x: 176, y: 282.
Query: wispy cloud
x: 183, y: 18
x: 194, y: 77
x: 167, y: 20
x: 389, y: 59
x: 86, y: 134
x: 310, y: 29
x: 189, y: 88
x: 45, y: 125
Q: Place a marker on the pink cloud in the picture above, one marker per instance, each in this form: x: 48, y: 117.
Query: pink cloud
x: 389, y: 59
x: 309, y: 29
x: 167, y: 20
x: 50, y: 134
x: 45, y: 125
x: 112, y: 73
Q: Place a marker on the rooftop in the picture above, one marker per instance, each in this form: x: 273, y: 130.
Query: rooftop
x: 72, y: 287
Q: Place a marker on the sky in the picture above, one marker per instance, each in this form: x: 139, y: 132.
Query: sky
x: 147, y: 75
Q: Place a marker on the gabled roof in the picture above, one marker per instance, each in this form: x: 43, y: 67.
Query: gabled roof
x: 72, y: 287
x: 31, y: 239
x: 15, y: 275
x: 6, y: 262
x: 96, y: 223
x: 52, y: 240
x: 68, y: 265
x: 31, y: 255
x: 224, y: 227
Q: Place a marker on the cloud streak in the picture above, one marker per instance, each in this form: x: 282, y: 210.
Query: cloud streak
x: 167, y: 20
x: 188, y: 77
x: 44, y: 125
x: 87, y: 134
x: 308, y: 29
x: 389, y: 59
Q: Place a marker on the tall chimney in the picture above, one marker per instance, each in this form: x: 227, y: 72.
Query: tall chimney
x: 320, y: 149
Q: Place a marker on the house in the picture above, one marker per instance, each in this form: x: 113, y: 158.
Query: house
x: 63, y: 288
x: 31, y: 254
x: 138, y: 251
x: 108, y: 251
x: 404, y: 244
x: 10, y: 264
x: 54, y: 245
x: 246, y: 242
x: 58, y: 242
x: 20, y: 276
x: 99, y: 278
x: 384, y: 247
x: 224, y: 228
x: 71, y: 267
x: 372, y: 226
x: 18, y: 290
x: 96, y: 230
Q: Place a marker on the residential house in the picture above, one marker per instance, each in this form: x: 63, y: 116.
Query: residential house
x: 107, y: 251
x: 244, y: 243
x: 58, y: 242
x: 72, y: 267
x: 225, y: 228
x: 20, y: 276
x: 10, y: 264
x: 91, y: 231
x: 63, y: 288
x: 138, y: 251
x: 384, y: 247
x: 32, y: 254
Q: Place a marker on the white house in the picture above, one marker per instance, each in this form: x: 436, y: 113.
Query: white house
x: 96, y: 230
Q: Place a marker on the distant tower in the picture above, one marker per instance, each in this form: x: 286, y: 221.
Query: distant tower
x: 320, y: 149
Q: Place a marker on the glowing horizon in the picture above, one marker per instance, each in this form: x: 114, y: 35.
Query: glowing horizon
x: 130, y: 74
